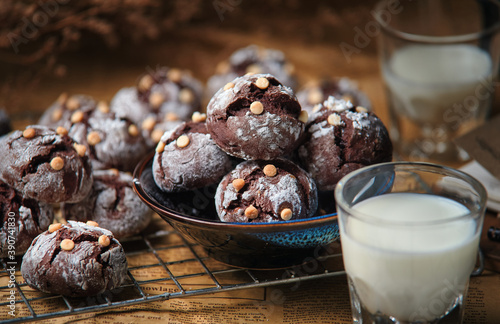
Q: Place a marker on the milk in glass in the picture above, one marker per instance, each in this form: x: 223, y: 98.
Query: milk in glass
x: 411, y: 271
x: 435, y: 93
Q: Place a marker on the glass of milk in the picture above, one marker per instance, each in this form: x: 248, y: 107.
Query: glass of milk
x: 439, y: 60
x: 410, y: 234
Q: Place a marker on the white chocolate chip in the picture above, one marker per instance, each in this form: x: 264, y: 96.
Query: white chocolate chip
x: 256, y: 108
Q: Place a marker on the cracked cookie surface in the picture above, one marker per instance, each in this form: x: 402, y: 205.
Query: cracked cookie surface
x: 187, y: 158
x: 45, y: 165
x: 74, y: 259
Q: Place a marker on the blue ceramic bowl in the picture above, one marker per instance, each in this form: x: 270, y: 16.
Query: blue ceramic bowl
x: 258, y: 246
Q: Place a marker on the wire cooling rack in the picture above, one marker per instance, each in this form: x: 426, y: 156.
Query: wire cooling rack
x: 162, y: 266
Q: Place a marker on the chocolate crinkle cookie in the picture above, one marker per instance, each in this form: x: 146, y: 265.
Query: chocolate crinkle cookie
x: 317, y: 92
x: 166, y: 93
x: 266, y: 191
x: 112, y: 142
x: 252, y: 59
x: 68, y: 110
x: 113, y: 204
x: 76, y: 260
x: 46, y: 165
x: 22, y: 220
x: 5, y: 126
x: 342, y: 138
x: 255, y: 117
x: 187, y: 158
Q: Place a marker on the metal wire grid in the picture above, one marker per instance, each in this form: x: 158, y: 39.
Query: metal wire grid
x: 162, y: 266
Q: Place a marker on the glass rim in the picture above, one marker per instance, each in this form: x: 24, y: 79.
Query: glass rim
x: 431, y: 167
x: 462, y: 38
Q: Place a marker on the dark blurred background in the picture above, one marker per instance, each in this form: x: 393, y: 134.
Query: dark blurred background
x: 96, y: 47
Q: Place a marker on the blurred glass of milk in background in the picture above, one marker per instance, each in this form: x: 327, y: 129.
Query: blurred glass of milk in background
x: 439, y: 61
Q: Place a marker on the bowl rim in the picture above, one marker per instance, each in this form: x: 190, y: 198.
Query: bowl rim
x: 179, y: 217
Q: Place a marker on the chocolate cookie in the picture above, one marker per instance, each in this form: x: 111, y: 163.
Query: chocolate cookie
x: 165, y: 93
x: 22, y: 220
x: 112, y: 204
x: 45, y: 165
x: 315, y: 93
x: 255, y: 117
x: 112, y: 142
x: 74, y: 260
x: 342, y: 138
x: 67, y: 110
x: 266, y: 191
x: 187, y: 158
x: 253, y: 59
x: 5, y: 126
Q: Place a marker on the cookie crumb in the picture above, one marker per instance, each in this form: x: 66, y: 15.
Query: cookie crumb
x: 182, y: 141
x: 251, y: 212
x: 57, y: 163
x: 54, y: 227
x: 286, y: 214
x: 262, y: 83
x: 93, y: 138
x: 104, y: 240
x: 67, y: 245
x: 238, y: 184
x: 228, y: 86
x: 29, y: 133
x: 270, y: 170
x: 256, y: 108
x: 80, y: 149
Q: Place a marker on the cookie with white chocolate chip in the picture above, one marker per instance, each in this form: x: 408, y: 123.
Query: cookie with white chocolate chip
x: 168, y: 94
x: 316, y: 92
x: 46, y: 165
x: 256, y: 117
x: 253, y: 59
x: 113, y: 204
x: 68, y: 110
x: 75, y: 260
x: 266, y: 191
x: 341, y: 138
x: 22, y: 220
x: 187, y: 158
x: 112, y: 142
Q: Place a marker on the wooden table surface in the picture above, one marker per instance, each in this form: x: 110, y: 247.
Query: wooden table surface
x: 310, y: 40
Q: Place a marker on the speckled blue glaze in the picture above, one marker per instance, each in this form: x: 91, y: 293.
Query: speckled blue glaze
x: 305, y: 238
